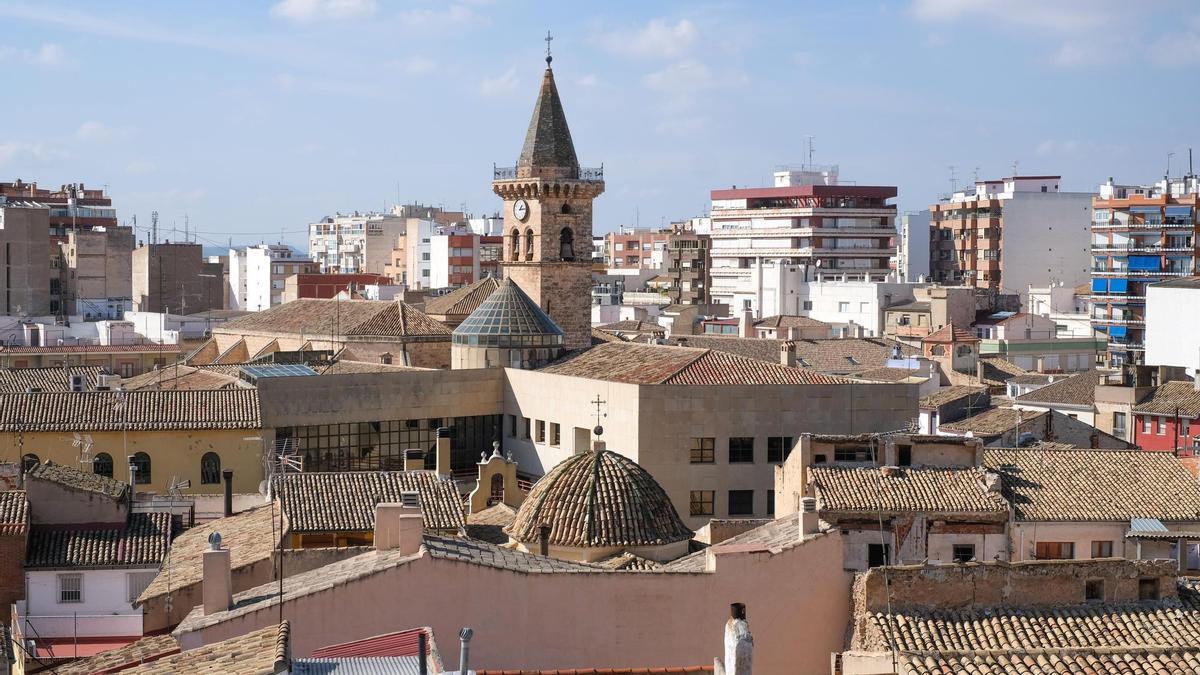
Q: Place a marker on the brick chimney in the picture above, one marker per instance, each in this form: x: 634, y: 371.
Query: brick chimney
x: 787, y: 354
x: 746, y: 324
x: 216, y: 585
x: 544, y: 539
x: 399, y: 525
x: 443, y: 451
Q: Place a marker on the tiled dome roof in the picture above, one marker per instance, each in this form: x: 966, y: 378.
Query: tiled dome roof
x: 508, y: 318
x: 599, y: 499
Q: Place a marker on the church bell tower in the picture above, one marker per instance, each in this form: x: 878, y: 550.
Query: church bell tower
x: 548, y: 218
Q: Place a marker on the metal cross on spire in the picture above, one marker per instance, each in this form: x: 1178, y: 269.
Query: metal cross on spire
x: 548, y: 39
x: 599, y: 415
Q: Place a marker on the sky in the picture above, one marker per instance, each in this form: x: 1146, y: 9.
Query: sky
x: 253, y: 119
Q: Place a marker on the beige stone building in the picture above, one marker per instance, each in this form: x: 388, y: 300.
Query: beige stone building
x: 96, y: 276
x: 175, y: 277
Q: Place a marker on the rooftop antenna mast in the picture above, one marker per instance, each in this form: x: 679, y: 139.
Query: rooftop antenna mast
x: 186, y: 225
x: 154, y: 227
x: 953, y: 180
x: 811, y: 150
x: 1016, y: 164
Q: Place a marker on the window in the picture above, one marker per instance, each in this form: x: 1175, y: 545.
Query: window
x: 28, y: 461
x: 1093, y: 590
x: 554, y: 434
x: 70, y: 588
x: 566, y: 244
x: 541, y: 431
x: 126, y: 369
x: 964, y: 553
x: 851, y: 454
x: 702, y: 450
x: 135, y: 583
x: 702, y: 503
x: 1118, y: 424
x: 807, y: 304
x: 385, y: 359
x: 878, y: 555
x: 1162, y: 426
x: 741, y: 502
x: 1102, y: 549
x: 210, y: 469
x: 528, y: 428
x: 1148, y: 588
x: 741, y: 450
x: 102, y: 465
x: 770, y: 502
x: 1145, y: 425
x: 778, y: 448
x: 512, y: 426
x: 843, y: 307
x: 1055, y: 550
x: 141, y: 464
x: 905, y: 455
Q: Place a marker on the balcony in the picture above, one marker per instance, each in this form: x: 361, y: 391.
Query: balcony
x: 1100, y: 321
x: 590, y: 173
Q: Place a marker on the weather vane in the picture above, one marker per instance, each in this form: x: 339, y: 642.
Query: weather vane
x: 548, y: 39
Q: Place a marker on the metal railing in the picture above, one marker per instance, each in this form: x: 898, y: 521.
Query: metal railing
x: 593, y: 173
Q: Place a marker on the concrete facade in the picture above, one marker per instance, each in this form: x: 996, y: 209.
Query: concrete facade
x: 25, y: 254
x: 97, y: 272
x: 175, y: 277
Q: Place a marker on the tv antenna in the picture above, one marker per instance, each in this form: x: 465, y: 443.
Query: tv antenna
x: 83, y: 442
x: 953, y: 180
x: 811, y: 149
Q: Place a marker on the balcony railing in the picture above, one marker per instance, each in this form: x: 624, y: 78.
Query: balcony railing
x: 595, y: 173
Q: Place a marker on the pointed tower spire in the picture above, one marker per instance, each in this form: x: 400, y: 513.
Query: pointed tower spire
x: 549, y: 151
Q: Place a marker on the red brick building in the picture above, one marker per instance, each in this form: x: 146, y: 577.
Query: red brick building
x: 326, y: 286
x: 1167, y: 419
x: 14, y: 538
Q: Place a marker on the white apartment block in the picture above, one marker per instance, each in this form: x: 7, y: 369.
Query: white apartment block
x: 853, y: 308
x: 768, y: 242
x: 356, y: 243
x: 912, y: 254
x: 257, y: 275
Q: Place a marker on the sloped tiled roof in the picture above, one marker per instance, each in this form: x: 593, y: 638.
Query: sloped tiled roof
x: 886, y: 374
x: 950, y: 333
x: 548, y: 141
x: 789, y: 321
x: 145, y: 650
x: 260, y: 652
x: 634, y: 326
x: 992, y: 421
x: 80, y: 480
x: 462, y: 301
x: 1078, y: 390
x: 248, y: 535
x: 1171, y: 398
x: 345, y: 501
x: 948, y: 395
x: 16, y: 380
x: 851, y: 488
x: 142, y: 542
x: 777, y: 535
x: 318, y: 317
x: 14, y: 512
x: 628, y: 561
x: 1046, y: 484
x: 833, y: 355
x: 997, y: 371
x: 682, y: 670
x: 181, y: 377
x: 488, y: 525
x: 1092, y: 638
x: 597, y: 499
x: 141, y: 410
x: 601, y: 336
x: 655, y: 364
x: 346, y: 366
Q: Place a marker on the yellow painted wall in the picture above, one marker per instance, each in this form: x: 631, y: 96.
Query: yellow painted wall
x: 172, y: 453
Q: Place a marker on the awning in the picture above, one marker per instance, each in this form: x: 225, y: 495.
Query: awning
x: 1117, y: 331
x: 1118, y: 286
x: 1100, y: 285
x: 1145, y: 209
x: 1179, y: 210
x: 1145, y: 263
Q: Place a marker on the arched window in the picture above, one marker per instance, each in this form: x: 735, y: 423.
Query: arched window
x: 102, y: 465
x: 566, y: 244
x: 566, y: 208
x: 141, y: 464
x: 937, y: 350
x: 529, y: 244
x: 28, y: 461
x: 497, y: 495
x: 210, y: 469
x: 516, y: 244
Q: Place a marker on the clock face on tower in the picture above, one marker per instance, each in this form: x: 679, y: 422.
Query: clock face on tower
x: 521, y: 209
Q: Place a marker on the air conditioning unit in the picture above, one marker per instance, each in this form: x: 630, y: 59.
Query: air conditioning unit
x: 78, y: 382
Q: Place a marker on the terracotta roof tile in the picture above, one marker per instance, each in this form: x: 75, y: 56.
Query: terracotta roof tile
x: 835, y: 355
x: 248, y: 536
x: 991, y: 422
x: 1078, y: 389
x: 255, y: 653
x: 957, y: 392
x: 80, y: 480
x: 599, y: 499
x: 91, y: 349
x: 488, y: 525
x: 315, y: 317
x: 18, y: 380
x: 142, y: 542
x: 1046, y: 484
x: 182, y: 377
x: 685, y: 670
x: 886, y: 374
x: 655, y: 364
x: 14, y: 512
x: 950, y: 333
x: 1171, y: 398
x: 463, y: 301
x: 141, y: 410
x: 997, y: 371
x: 345, y: 501
x: 789, y: 321
x: 903, y: 489
x: 145, y: 650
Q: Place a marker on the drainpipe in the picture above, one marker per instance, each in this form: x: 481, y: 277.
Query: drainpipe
x: 227, y: 474
x: 464, y: 650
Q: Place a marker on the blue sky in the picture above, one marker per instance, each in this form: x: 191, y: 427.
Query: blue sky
x: 256, y: 118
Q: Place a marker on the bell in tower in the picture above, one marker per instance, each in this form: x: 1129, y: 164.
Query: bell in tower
x: 548, y: 217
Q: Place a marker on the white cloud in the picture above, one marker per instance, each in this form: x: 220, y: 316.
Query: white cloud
x: 1177, y: 50
x: 501, y: 84
x: 99, y: 132
x: 303, y: 11
x: 141, y: 167
x: 657, y: 39
x: 588, y: 80
x: 691, y: 77
x: 13, y: 151
x: 48, y: 54
x: 1060, y: 15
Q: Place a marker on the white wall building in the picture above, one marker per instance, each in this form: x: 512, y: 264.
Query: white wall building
x: 447, y: 260
x: 418, y: 253
x: 912, y: 254
x: 1062, y: 305
x: 488, y: 226
x: 1173, y: 324
x: 351, y: 244
x: 103, y: 609
x: 257, y: 274
x: 842, y: 303
x: 766, y: 242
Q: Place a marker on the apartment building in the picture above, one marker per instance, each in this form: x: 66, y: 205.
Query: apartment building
x: 95, y: 273
x: 24, y: 252
x: 912, y: 253
x: 766, y: 241
x: 1008, y: 234
x: 71, y: 207
x: 355, y: 243
x: 642, y: 248
x: 258, y: 275
x: 175, y: 277
x: 1141, y: 234
x: 688, y: 265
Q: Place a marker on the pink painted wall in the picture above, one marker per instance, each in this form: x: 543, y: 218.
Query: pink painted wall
x: 797, y: 604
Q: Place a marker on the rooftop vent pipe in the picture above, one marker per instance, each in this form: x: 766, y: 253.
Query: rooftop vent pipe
x: 464, y: 650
